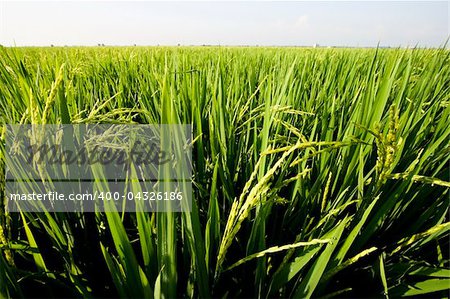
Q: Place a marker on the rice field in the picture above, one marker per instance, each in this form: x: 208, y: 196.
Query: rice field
x: 316, y: 173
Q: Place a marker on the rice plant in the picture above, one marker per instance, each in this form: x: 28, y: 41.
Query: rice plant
x: 316, y: 173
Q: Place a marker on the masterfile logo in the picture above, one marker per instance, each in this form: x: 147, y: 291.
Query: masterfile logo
x: 89, y: 164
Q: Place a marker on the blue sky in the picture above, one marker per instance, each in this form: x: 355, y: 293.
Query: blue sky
x: 338, y: 23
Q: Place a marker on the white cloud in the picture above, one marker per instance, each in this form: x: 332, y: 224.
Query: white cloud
x: 302, y: 22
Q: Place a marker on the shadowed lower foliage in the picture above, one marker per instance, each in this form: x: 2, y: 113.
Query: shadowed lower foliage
x: 317, y: 172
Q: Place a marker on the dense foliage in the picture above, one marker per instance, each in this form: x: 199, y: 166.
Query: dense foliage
x: 317, y: 172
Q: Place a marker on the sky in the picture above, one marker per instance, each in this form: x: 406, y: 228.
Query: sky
x: 293, y: 23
